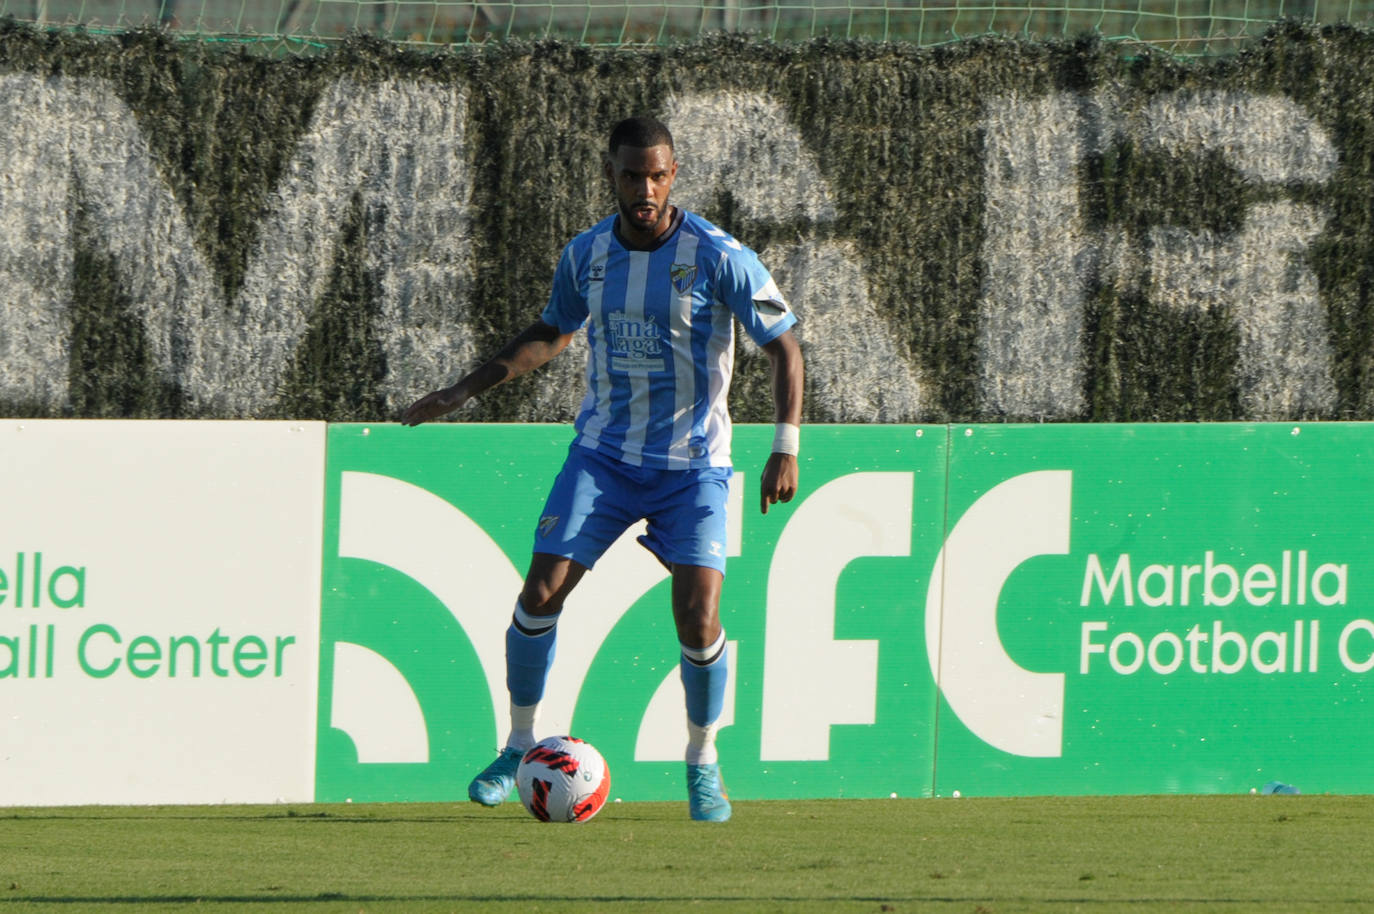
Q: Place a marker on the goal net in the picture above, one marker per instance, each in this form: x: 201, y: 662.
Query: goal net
x: 1185, y: 27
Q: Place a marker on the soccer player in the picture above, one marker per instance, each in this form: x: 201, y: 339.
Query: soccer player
x: 658, y: 290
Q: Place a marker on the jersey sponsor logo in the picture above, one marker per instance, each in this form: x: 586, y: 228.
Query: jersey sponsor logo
x: 635, y: 345
x: 684, y: 275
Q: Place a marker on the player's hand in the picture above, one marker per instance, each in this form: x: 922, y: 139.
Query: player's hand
x: 779, y: 480
x: 434, y: 405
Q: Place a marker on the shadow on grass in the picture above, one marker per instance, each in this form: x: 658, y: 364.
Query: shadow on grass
x: 514, y: 815
x: 514, y: 898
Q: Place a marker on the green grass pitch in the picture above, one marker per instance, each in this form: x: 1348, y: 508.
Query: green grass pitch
x: 980, y: 856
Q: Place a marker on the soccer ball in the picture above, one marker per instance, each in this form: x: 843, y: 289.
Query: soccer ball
x: 563, y: 779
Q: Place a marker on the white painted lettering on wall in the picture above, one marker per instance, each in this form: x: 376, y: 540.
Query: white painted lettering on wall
x: 744, y: 144
x: 399, y: 145
x: 1041, y: 260
x: 70, y: 145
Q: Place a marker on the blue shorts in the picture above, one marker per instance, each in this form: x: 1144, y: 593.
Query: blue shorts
x: 597, y: 498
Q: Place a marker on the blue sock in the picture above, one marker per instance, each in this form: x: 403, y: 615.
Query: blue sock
x: 704, y: 683
x: 528, y: 660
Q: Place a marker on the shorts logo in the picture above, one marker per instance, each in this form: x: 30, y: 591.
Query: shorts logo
x: 715, y: 549
x: 684, y: 275
x: 547, y: 523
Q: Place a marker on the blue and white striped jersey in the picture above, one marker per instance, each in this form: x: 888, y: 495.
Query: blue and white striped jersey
x: 661, y: 335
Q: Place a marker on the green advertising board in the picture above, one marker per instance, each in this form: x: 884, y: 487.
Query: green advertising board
x: 998, y: 610
x: 428, y: 537
x: 1205, y: 611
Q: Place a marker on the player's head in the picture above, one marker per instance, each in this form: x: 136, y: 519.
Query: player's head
x: 641, y: 166
x: 640, y: 132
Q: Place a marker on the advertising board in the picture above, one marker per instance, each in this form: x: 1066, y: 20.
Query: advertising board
x: 428, y: 538
x: 991, y: 609
x: 159, y: 624
x: 197, y: 612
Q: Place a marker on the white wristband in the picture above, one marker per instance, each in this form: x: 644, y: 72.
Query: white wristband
x: 786, y: 439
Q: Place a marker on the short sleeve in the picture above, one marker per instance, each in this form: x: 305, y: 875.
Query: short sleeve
x: 747, y: 288
x: 567, y: 308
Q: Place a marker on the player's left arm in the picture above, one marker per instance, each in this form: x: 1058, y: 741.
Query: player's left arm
x: 780, y: 474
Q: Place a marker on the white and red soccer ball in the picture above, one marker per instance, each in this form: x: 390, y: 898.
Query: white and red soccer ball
x: 563, y: 779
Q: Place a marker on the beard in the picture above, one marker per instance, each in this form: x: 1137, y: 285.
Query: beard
x: 646, y: 217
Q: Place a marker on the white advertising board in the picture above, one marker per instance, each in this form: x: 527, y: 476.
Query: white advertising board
x: 159, y: 611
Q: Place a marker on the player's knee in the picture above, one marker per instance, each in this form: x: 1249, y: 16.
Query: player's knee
x: 540, y: 600
x: 697, y: 627
x: 548, y: 583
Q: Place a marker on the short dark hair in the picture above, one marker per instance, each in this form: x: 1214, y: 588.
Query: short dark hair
x: 640, y: 133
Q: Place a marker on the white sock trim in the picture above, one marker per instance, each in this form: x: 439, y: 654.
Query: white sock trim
x: 534, y: 624
x: 705, y: 656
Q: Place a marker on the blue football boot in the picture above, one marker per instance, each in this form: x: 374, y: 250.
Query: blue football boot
x: 706, y: 797
x: 497, y: 780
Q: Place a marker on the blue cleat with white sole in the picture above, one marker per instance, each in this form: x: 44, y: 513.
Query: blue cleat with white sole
x: 497, y: 780
x: 706, y: 797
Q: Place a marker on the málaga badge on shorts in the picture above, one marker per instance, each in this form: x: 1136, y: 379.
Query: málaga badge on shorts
x: 547, y: 523
x: 684, y: 275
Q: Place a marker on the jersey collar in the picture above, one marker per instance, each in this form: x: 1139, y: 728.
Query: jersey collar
x: 660, y: 241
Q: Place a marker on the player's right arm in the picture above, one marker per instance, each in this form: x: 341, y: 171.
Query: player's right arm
x: 535, y: 345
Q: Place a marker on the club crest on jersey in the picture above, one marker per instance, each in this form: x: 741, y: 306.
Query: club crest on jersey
x: 684, y: 275
x: 547, y: 523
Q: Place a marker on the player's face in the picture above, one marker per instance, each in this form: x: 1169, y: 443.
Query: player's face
x: 641, y: 179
